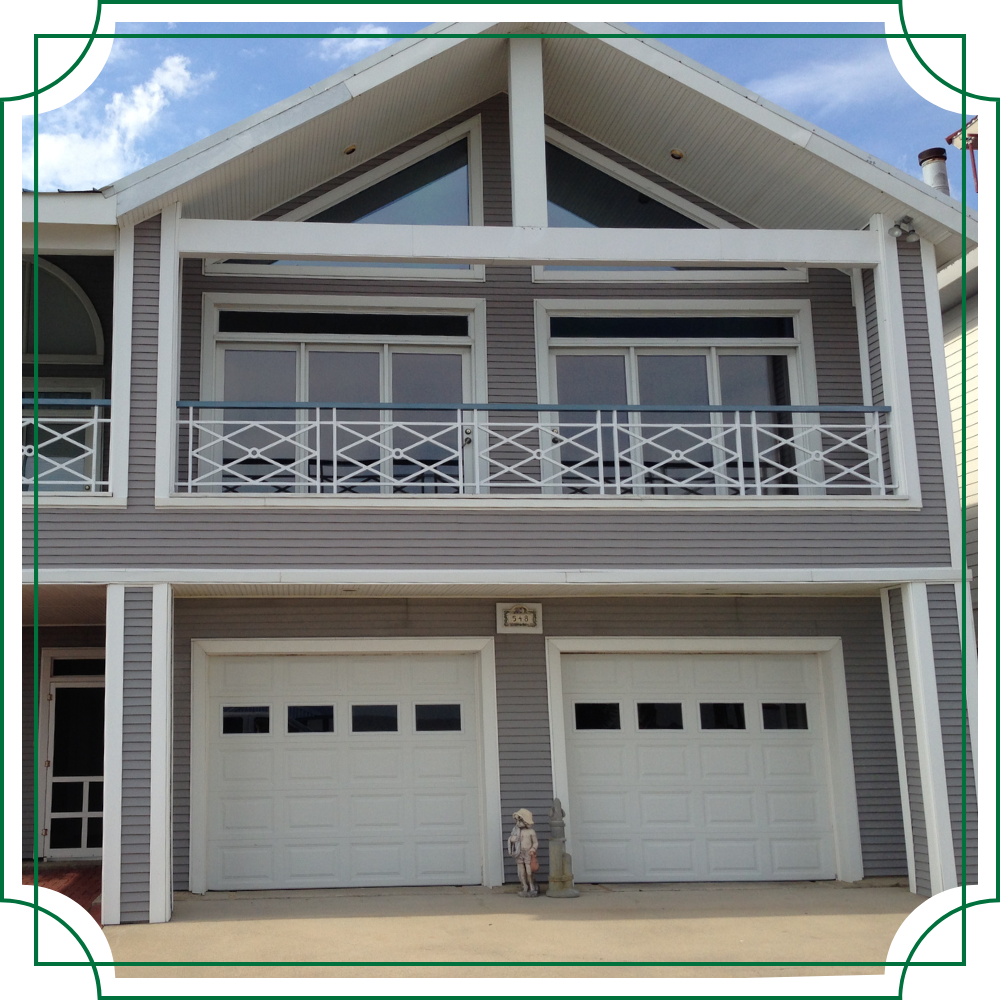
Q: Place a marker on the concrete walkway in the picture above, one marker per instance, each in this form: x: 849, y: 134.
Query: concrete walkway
x: 779, y: 922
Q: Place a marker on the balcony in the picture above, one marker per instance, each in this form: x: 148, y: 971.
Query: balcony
x: 70, y: 446
x: 522, y: 450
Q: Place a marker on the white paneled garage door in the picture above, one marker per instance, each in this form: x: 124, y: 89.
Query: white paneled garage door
x: 697, y: 767
x: 341, y: 770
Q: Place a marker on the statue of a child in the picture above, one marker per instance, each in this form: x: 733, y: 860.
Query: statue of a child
x: 522, y: 845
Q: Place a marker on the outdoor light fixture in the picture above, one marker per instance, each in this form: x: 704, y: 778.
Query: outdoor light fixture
x: 677, y: 154
x: 350, y: 149
x: 904, y: 228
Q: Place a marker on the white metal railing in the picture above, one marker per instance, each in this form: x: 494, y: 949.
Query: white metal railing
x: 69, y: 445
x: 532, y: 450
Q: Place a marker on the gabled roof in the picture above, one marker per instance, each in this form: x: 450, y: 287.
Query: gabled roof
x: 637, y: 96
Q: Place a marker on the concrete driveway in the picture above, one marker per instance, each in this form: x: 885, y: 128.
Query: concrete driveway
x: 693, y: 922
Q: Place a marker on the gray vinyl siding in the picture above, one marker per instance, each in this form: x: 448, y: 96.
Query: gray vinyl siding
x: 136, y: 716
x: 49, y: 637
x: 525, y: 762
x: 921, y: 854
x: 347, y: 537
x: 145, y: 322
x: 946, y: 636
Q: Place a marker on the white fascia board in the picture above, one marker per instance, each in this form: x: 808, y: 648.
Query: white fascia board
x: 171, y: 172
x: 56, y: 237
x: 636, y: 580
x: 76, y: 208
x: 867, y: 168
x: 529, y: 245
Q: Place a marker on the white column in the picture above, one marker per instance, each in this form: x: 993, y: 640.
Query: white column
x: 930, y: 746
x: 121, y: 364
x: 160, y: 740
x: 895, y: 368
x: 527, y: 132
x: 897, y: 730
x: 168, y: 351
x: 114, y: 665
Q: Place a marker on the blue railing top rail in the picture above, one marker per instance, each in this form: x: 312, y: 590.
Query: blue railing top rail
x: 205, y: 404
x: 75, y: 403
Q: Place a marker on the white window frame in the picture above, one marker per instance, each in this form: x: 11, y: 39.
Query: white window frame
x: 27, y: 357
x: 470, y: 129
x: 677, y: 202
x: 798, y: 349
x: 46, y: 733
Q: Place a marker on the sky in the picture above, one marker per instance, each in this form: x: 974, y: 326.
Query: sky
x: 157, y: 95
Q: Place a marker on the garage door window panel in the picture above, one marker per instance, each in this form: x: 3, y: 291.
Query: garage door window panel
x: 660, y: 715
x: 722, y: 715
x: 438, y: 718
x: 784, y: 715
x: 374, y: 718
x: 598, y: 715
x: 243, y: 720
x: 310, y: 719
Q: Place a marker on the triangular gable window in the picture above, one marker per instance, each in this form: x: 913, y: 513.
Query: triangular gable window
x: 432, y: 192
x: 580, y: 195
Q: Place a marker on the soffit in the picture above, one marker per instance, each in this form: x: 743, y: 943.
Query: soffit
x: 63, y: 604
x: 269, y: 173
x: 767, y: 175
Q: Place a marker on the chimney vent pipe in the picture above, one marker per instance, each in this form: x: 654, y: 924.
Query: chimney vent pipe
x: 935, y: 168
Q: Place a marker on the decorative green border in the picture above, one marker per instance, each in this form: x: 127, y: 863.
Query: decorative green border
x: 39, y: 89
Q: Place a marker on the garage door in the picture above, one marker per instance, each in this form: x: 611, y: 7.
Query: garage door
x: 697, y: 767
x: 343, y: 770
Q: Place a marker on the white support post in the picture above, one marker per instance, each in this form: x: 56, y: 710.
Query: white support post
x: 121, y: 365
x: 963, y: 593
x: 897, y: 730
x: 895, y: 366
x: 160, y: 740
x: 946, y: 436
x: 114, y: 665
x: 168, y: 351
x: 930, y: 745
x: 527, y: 133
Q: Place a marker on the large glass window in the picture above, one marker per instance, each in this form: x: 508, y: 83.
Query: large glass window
x: 325, y: 362
x: 684, y: 366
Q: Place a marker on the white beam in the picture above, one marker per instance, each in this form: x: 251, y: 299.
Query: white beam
x: 930, y: 744
x: 527, y: 245
x: 895, y: 360
x: 160, y: 730
x: 114, y: 667
x: 167, y: 349
x: 527, y: 133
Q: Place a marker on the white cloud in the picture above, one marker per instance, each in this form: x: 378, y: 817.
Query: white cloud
x: 830, y: 87
x: 83, y: 145
x: 350, y: 50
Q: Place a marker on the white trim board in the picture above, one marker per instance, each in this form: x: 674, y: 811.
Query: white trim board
x: 635, y: 580
x: 830, y: 656
x: 482, y: 648
x: 897, y: 732
x: 114, y: 667
x: 161, y: 752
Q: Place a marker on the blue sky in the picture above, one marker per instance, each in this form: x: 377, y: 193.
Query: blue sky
x: 157, y: 95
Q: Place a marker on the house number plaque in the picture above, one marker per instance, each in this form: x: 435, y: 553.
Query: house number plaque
x: 519, y: 618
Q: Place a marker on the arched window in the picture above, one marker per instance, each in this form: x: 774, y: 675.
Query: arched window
x: 69, y: 330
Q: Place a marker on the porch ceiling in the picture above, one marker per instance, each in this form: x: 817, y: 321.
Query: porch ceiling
x: 65, y: 604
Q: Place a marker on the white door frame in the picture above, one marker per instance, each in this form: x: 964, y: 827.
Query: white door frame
x: 833, y: 692
x: 489, y: 750
x: 46, y: 733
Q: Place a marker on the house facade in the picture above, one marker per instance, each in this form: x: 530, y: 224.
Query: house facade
x: 497, y: 420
